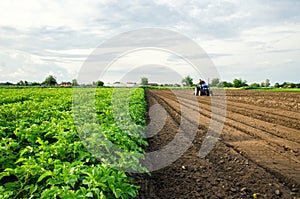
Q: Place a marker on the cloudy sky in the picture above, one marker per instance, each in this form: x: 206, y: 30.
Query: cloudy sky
x: 252, y: 40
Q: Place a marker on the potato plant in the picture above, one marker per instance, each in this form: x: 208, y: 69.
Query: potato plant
x: 42, y: 155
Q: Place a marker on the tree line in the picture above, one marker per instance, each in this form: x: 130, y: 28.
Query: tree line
x: 186, y: 81
x: 49, y: 81
x: 238, y: 83
x: 52, y: 81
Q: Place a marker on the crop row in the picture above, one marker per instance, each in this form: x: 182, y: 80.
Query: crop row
x: 42, y: 154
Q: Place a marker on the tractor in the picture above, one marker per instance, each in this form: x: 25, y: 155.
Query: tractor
x: 203, y: 90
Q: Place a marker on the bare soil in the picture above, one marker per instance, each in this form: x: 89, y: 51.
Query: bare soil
x: 256, y: 156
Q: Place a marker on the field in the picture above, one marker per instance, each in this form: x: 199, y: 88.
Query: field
x: 257, y: 154
x: 44, y: 155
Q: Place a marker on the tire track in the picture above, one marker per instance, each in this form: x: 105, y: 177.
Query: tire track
x: 279, y: 131
x: 251, y: 130
x: 279, y: 100
x: 281, y: 117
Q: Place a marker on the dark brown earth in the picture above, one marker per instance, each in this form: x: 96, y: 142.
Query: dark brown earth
x: 256, y: 156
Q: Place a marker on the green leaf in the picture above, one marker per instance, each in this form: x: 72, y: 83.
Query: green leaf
x: 33, y: 188
x: 47, y: 173
x: 3, y: 174
x: 86, y: 182
x: 21, y: 160
x: 11, y: 185
x: 89, y: 195
x: 102, y: 195
x: 49, y: 193
x: 132, y: 193
x: 117, y: 192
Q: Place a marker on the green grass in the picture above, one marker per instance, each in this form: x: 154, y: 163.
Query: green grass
x: 168, y: 87
x: 275, y: 89
x: 272, y: 89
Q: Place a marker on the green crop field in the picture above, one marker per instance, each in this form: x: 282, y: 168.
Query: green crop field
x: 42, y: 155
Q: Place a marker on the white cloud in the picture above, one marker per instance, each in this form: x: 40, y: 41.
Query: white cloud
x: 34, y: 13
x: 84, y: 52
x: 41, y: 36
x: 258, y: 53
x: 17, y: 65
x: 145, y: 58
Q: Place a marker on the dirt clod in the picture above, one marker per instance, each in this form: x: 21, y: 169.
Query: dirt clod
x: 277, y: 192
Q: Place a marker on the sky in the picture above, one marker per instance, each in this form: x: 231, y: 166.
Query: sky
x: 253, y: 40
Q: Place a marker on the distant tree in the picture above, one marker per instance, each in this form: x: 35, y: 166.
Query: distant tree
x: 23, y: 83
x: 262, y: 84
x: 74, y: 82
x: 220, y: 85
x: 144, y: 81
x: 285, y: 84
x: 224, y: 84
x: 187, y: 81
x: 276, y: 85
x: 50, y: 81
x: 293, y: 85
x: 214, y: 82
x: 35, y: 84
x: 267, y: 83
x: 237, y: 83
x: 99, y: 83
x: 254, y: 85
x: 6, y: 84
x: 20, y: 83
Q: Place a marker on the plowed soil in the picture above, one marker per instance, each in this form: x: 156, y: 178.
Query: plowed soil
x: 256, y: 156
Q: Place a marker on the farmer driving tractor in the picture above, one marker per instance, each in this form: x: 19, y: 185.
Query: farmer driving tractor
x: 202, y: 88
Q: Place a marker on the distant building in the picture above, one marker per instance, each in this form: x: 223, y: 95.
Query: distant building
x: 121, y: 84
x: 152, y: 84
x: 65, y: 84
x: 131, y: 84
x: 116, y: 84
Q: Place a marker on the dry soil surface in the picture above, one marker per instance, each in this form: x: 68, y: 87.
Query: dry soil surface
x: 257, y: 154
